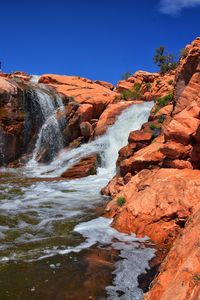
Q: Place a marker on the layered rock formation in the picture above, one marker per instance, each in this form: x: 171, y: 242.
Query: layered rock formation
x: 158, y: 180
x: 90, y: 107
x: 18, y: 123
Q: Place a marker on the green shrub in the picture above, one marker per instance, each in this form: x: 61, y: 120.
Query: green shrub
x: 130, y: 94
x: 163, y: 101
x: 137, y: 87
x: 158, y: 82
x: 148, y: 86
x: 154, y: 126
x: 196, y: 278
x: 133, y: 94
x: 155, y: 130
x: 92, y: 172
x: 161, y: 119
x: 170, y: 82
x: 121, y: 201
x: 117, y: 98
x: 126, y: 75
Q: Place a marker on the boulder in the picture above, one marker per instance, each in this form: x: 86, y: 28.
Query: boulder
x: 140, y: 136
x: 177, y: 164
x: 181, y: 129
x: 86, y: 129
x: 127, y: 151
x: 175, y: 150
x: 144, y: 158
x: 85, y: 167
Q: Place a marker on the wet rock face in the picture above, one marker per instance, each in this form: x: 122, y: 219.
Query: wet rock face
x: 12, y: 119
x: 21, y: 118
x: 85, y: 167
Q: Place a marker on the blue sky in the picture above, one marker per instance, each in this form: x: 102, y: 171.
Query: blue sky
x: 94, y: 39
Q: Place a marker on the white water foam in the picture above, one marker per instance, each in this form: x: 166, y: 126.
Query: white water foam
x: 50, y: 202
x: 134, y: 256
x: 34, y: 79
x: 107, y: 146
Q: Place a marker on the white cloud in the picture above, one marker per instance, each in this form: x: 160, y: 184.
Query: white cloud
x: 173, y: 7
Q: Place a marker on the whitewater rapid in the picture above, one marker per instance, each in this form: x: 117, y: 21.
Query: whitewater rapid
x: 48, y: 203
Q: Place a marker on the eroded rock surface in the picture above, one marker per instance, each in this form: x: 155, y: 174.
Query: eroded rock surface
x: 158, y: 178
x: 85, y: 167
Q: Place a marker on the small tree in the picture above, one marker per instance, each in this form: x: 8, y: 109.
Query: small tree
x: 164, y: 60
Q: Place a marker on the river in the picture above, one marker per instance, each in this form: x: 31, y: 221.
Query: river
x: 55, y: 244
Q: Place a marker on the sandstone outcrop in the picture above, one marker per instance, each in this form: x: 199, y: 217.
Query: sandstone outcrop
x: 90, y: 107
x: 158, y: 177
x: 179, y: 275
x: 157, y: 203
x: 85, y: 167
x: 14, y: 137
x: 82, y: 90
x: 147, y: 86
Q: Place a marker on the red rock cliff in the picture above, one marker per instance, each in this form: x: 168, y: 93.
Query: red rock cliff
x: 158, y: 179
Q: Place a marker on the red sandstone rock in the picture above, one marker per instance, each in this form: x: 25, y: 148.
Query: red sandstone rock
x: 179, y: 275
x: 82, y: 90
x: 107, y: 85
x: 86, y: 129
x: 139, y: 136
x: 113, y: 187
x: 157, y: 203
x: 187, y: 77
x: 85, y: 167
x: 85, y: 112
x: 166, y: 110
x: 7, y: 89
x: 20, y: 75
x: 177, y: 164
x: 195, y: 154
x: 175, y: 150
x: 197, y: 135
x: 181, y: 129
x: 144, y: 158
x: 127, y: 151
x: 152, y: 85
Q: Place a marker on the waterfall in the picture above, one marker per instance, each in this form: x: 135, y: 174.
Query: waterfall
x: 107, y: 146
x: 50, y: 139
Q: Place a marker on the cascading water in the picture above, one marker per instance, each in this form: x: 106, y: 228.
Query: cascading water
x: 51, y: 223
x: 53, y: 121
x: 107, y: 146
